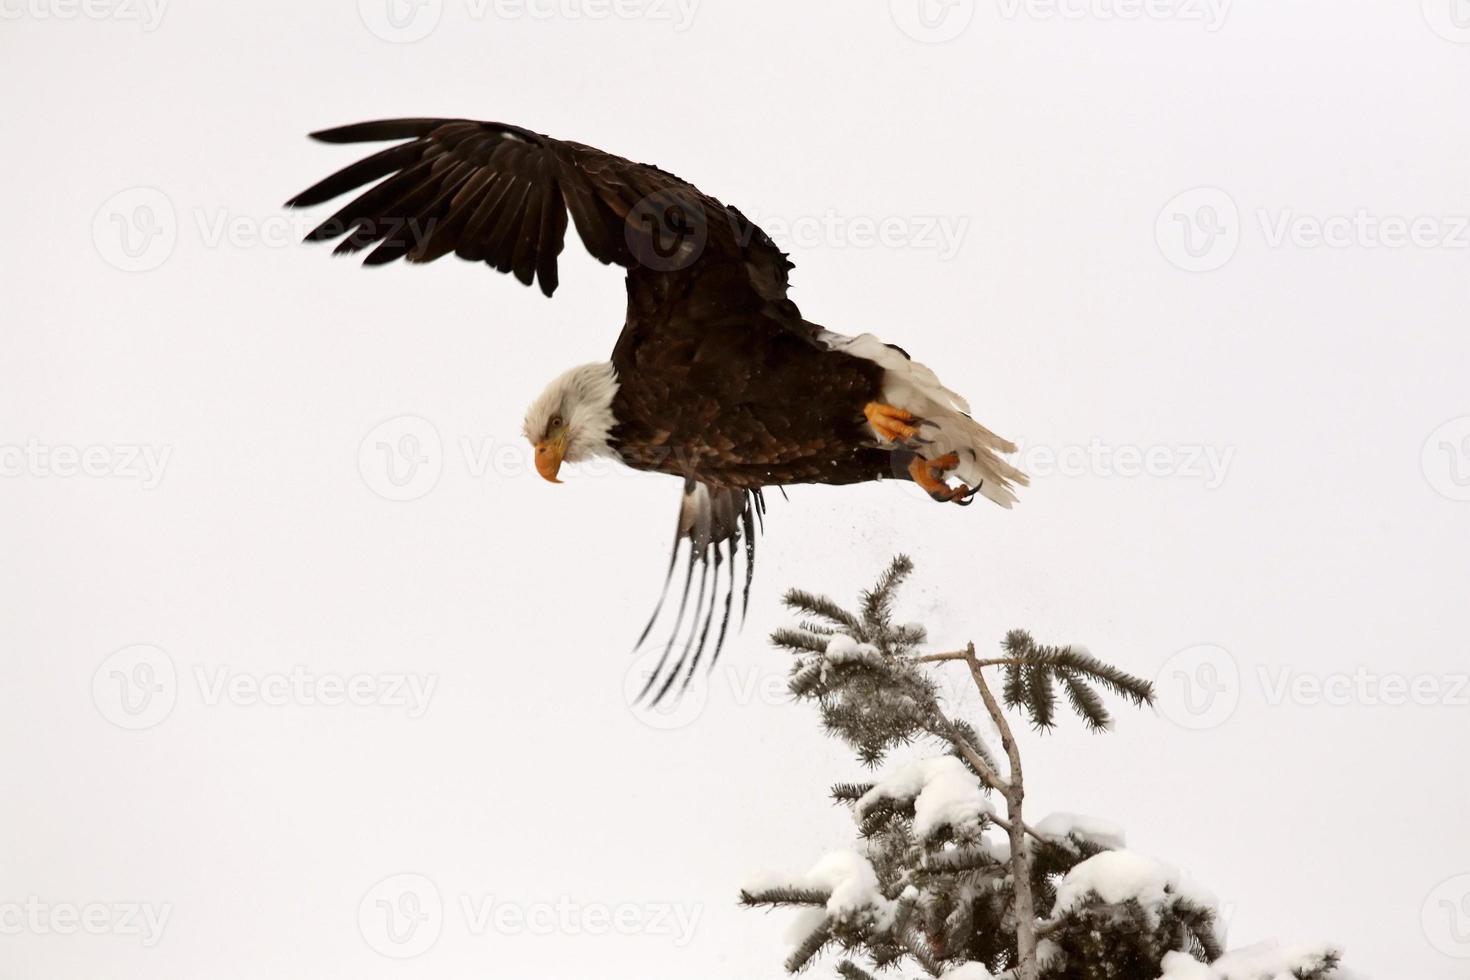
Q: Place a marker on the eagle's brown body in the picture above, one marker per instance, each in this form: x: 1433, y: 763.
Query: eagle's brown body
x: 717, y: 405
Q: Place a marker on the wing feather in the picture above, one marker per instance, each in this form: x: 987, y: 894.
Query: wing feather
x: 502, y: 194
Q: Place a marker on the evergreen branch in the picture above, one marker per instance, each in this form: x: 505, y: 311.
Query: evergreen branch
x: 904, y: 907
x: 849, y: 970
x: 809, y: 947
x: 783, y: 895
x: 1013, y: 691
x: 1086, y: 702
x: 983, y: 767
x: 799, y: 641
x: 910, y: 635
x: 878, y: 814
x: 960, y: 859
x: 824, y: 608
x: 850, y: 792
x: 805, y: 679
x: 1018, y: 644
x: 976, y: 742
x: 960, y: 922
x: 1041, y: 697
x: 919, y: 948
x: 878, y: 602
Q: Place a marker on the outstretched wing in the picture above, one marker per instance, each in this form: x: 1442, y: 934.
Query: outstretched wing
x: 500, y: 194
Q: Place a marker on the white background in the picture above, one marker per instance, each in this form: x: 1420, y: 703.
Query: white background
x: 1332, y: 545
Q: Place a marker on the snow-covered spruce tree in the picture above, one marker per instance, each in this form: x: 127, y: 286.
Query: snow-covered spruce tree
x: 943, y: 879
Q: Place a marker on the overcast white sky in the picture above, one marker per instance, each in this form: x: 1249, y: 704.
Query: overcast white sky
x: 1207, y: 261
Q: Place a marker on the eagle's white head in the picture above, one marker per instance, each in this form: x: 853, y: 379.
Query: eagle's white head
x: 570, y: 420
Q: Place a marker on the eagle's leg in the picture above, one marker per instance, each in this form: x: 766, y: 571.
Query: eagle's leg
x: 893, y: 424
x: 929, y: 474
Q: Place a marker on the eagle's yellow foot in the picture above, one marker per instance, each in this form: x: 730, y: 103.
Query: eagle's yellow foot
x: 893, y: 424
x: 929, y: 474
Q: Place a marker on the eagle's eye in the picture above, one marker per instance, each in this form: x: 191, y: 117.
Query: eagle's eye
x: 557, y: 422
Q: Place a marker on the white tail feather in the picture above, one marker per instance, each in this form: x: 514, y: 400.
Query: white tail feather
x: 915, y: 388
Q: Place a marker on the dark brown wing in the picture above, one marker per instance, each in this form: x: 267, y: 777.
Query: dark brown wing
x: 500, y: 194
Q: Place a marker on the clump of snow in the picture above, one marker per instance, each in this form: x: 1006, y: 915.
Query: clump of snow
x: 1182, y: 966
x: 969, y: 971
x: 843, y: 649
x: 846, y: 876
x: 1120, y: 876
x: 1267, y: 961
x: 1103, y: 833
x: 804, y: 923
x: 943, y: 790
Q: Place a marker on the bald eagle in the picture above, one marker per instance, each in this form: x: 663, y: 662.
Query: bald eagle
x: 716, y: 378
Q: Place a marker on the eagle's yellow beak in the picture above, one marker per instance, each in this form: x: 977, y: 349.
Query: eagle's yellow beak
x: 549, y: 453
